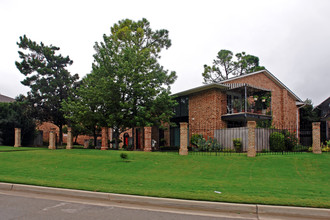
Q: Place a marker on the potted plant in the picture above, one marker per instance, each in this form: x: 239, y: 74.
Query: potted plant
x: 237, y: 105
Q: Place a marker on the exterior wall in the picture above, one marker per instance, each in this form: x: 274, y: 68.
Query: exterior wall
x: 205, y: 110
x: 47, y: 126
x: 284, y: 107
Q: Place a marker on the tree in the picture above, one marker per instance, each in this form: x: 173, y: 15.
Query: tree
x: 48, y: 79
x: 14, y: 115
x: 82, y: 109
x: 308, y: 115
x: 224, y: 66
x: 128, y: 87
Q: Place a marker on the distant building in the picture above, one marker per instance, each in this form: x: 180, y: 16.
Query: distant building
x: 4, y: 98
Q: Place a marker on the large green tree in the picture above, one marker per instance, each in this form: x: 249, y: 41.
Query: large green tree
x: 49, y: 80
x: 225, y: 65
x: 15, y: 115
x: 128, y: 87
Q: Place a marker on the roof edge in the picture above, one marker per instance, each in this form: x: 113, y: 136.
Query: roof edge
x: 273, y: 77
x: 200, y: 89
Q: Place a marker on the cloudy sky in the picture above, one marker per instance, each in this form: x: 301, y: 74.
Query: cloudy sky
x: 291, y: 37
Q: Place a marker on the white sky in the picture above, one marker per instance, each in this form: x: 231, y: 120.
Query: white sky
x: 290, y: 37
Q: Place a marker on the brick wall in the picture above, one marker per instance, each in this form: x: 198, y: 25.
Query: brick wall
x: 283, y: 105
x: 205, y: 110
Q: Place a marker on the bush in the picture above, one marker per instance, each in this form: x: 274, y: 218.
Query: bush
x: 211, y: 144
x: 15, y: 115
x: 300, y: 148
x: 237, y: 144
x: 123, y: 156
x: 195, y: 138
x: 290, y: 140
x: 276, y: 142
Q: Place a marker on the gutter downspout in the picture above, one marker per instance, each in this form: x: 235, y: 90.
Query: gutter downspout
x: 298, y: 118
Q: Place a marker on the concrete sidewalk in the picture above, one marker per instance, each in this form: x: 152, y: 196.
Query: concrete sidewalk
x: 253, y: 209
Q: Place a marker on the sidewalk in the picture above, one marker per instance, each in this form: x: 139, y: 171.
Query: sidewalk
x: 253, y: 209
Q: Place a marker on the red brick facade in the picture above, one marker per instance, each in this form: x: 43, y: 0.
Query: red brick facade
x: 283, y: 104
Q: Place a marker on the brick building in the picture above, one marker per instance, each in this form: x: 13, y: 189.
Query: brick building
x: 257, y: 96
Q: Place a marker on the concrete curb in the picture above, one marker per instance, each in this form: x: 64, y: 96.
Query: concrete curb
x: 258, y: 210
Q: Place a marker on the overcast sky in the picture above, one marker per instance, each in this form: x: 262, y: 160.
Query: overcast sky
x: 290, y: 37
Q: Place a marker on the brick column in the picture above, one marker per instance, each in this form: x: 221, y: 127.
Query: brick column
x: 69, y: 144
x: 17, y: 137
x: 104, y: 138
x: 183, y: 138
x: 147, y: 139
x: 251, y: 138
x: 316, y: 138
x: 52, y: 139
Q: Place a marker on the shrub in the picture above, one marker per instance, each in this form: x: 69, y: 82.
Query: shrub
x: 211, y: 144
x: 195, y: 138
x: 300, y: 148
x: 290, y: 140
x: 276, y: 142
x: 123, y: 156
x: 237, y: 144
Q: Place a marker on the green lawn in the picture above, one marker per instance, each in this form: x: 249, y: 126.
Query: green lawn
x: 296, y: 179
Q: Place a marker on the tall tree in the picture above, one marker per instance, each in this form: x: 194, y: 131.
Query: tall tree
x: 224, y: 65
x: 48, y: 79
x: 308, y: 115
x: 130, y: 88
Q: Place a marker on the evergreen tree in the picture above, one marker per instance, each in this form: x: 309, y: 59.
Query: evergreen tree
x: 224, y: 65
x: 48, y: 79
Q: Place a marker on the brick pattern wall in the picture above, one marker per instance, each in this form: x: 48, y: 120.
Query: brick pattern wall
x: 205, y: 110
x: 283, y: 105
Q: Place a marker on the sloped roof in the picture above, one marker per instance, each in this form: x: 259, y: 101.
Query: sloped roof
x: 270, y: 76
x: 225, y: 84
x: 4, y: 98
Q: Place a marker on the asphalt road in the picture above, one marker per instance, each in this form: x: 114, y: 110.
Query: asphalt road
x: 27, y: 206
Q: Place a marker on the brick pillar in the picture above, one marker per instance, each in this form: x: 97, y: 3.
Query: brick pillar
x: 316, y: 138
x: 52, y: 139
x: 251, y: 139
x: 147, y: 139
x: 17, y: 137
x: 110, y: 135
x: 104, y: 138
x: 167, y: 135
x: 69, y: 144
x: 183, y: 138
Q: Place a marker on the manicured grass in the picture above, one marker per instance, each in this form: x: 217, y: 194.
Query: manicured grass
x: 297, y: 179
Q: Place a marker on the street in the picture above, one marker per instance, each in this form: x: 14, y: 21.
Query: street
x: 28, y: 206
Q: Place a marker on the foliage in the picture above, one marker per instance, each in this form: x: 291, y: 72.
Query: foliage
x: 195, y: 138
x: 14, y: 115
x: 265, y: 124
x: 300, y: 148
x: 308, y: 115
x: 276, y: 142
x: 211, y: 144
x: 325, y: 149
x: 127, y: 87
x: 290, y: 140
x: 238, y: 144
x: 224, y: 66
x: 48, y: 79
x: 124, y: 156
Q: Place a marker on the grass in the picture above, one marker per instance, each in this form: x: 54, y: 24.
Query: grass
x: 296, y: 179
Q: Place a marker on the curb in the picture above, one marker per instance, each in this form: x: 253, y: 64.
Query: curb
x: 259, y: 210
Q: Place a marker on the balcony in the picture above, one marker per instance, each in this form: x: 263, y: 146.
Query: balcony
x: 246, y: 102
